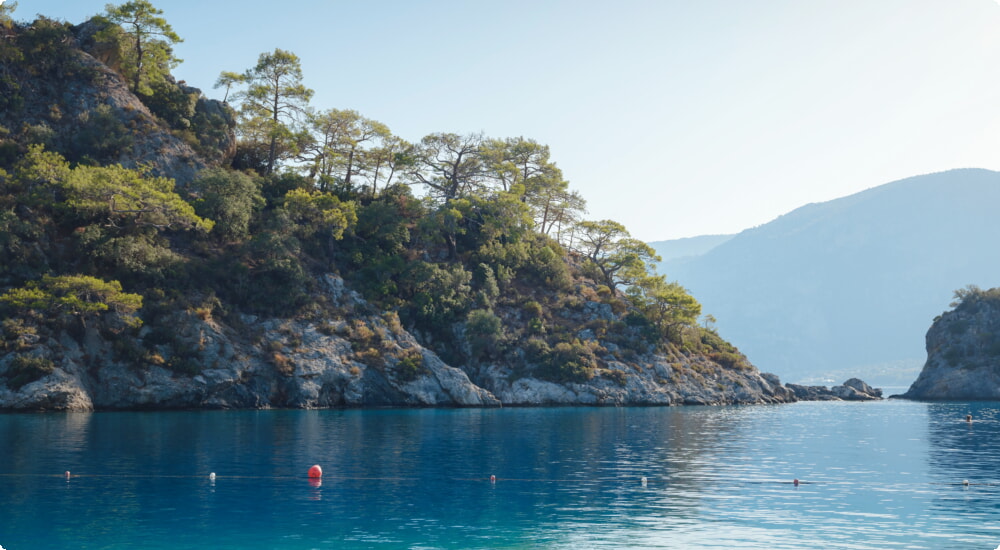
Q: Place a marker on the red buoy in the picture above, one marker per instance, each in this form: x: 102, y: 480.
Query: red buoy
x: 795, y: 482
x: 316, y: 471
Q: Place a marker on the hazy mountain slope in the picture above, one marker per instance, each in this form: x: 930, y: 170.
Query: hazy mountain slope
x: 851, y: 285
x: 676, y: 249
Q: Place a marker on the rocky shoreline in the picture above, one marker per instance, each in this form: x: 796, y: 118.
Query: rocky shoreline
x: 281, y: 363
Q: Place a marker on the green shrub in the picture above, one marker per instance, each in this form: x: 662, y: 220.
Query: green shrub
x: 17, y: 335
x: 533, y: 308
x: 230, y: 199
x: 569, y: 362
x: 100, y: 137
x: 171, y: 103
x: 484, y: 332
x: 25, y: 369
x: 410, y: 365
x: 363, y: 337
x: 536, y: 350
x: 727, y: 359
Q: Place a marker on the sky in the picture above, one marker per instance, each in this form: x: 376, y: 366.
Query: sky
x: 675, y: 117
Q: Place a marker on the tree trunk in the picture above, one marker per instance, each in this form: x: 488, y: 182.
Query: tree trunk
x: 138, y: 63
x: 273, y: 150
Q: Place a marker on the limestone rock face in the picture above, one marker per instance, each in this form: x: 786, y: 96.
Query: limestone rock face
x: 285, y: 364
x: 963, y: 355
x: 649, y: 380
x: 363, y: 359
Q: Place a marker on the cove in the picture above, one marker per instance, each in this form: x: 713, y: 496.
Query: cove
x: 884, y: 474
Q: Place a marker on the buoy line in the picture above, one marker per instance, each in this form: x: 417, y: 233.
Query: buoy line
x: 314, y: 475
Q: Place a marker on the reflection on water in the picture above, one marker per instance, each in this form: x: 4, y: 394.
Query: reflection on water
x: 874, y: 475
x: 963, y: 452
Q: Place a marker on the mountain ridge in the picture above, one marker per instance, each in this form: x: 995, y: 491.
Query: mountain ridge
x: 779, y: 290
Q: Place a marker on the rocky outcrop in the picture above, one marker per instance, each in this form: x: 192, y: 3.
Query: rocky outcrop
x: 670, y: 379
x: 851, y: 390
x: 368, y: 361
x: 963, y: 353
x: 152, y: 145
x: 266, y: 363
x: 76, y: 102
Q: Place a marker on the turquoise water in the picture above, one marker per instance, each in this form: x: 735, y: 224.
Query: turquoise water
x: 873, y: 475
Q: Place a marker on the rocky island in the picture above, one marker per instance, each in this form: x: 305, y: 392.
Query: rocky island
x: 963, y: 351
x: 163, y: 250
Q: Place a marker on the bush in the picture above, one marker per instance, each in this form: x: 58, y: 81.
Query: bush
x: 569, y: 362
x: 533, y: 308
x: 230, y: 199
x: 169, y: 102
x: 363, y: 337
x: 484, y: 332
x: 440, y: 294
x: 100, y: 137
x: 25, y: 369
x: 536, y: 350
x: 410, y: 365
x: 17, y: 335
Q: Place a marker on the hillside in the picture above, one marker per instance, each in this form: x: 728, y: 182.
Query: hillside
x: 164, y: 250
x: 677, y: 249
x: 846, y: 287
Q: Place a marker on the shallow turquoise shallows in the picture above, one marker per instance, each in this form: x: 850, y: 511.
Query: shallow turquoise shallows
x: 872, y: 475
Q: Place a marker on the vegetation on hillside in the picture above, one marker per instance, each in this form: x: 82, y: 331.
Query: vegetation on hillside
x: 476, y: 243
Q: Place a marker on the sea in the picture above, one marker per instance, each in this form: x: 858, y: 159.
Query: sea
x: 888, y: 474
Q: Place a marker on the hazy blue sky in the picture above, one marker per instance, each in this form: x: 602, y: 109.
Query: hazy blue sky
x: 675, y: 117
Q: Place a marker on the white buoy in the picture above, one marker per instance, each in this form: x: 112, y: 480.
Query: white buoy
x: 211, y: 476
x: 965, y: 482
x: 493, y: 478
x: 643, y: 481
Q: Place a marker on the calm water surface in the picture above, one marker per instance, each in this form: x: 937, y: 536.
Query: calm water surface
x: 874, y: 475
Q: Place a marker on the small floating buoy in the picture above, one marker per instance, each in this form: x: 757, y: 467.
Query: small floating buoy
x: 493, y: 478
x: 965, y: 482
x: 67, y: 474
x: 316, y: 471
x: 211, y: 476
x: 968, y: 418
x: 795, y: 482
x: 643, y: 480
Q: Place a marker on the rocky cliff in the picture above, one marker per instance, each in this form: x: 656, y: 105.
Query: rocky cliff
x: 362, y: 360
x: 963, y: 352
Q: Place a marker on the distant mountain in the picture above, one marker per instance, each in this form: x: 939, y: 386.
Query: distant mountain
x: 849, y: 287
x: 691, y: 246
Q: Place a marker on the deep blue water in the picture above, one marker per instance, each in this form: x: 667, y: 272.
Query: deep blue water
x: 874, y: 475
